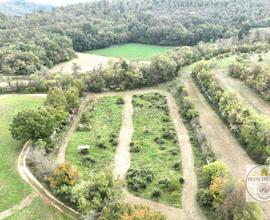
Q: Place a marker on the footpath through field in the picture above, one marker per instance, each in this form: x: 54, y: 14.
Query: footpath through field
x: 223, y: 143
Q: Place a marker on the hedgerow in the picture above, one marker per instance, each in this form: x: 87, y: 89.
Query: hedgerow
x: 250, y: 128
x: 257, y: 77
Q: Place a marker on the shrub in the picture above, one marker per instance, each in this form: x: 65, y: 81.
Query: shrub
x: 177, y: 166
x: 212, y: 171
x: 128, y: 212
x: 138, y: 179
x: 88, y: 161
x: 120, y: 101
x: 41, y: 164
x: 72, y: 98
x: 96, y: 193
x: 181, y: 180
x: 205, y: 198
x: 63, y: 175
x: 156, y: 193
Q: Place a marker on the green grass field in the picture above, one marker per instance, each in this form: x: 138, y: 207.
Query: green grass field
x: 38, y: 210
x: 140, y: 52
x: 12, y: 188
x: 106, y: 119
x: 156, y: 152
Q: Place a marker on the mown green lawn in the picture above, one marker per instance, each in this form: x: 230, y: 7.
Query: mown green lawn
x: 106, y: 120
x: 132, y: 51
x: 38, y: 210
x: 155, y: 152
x: 12, y: 188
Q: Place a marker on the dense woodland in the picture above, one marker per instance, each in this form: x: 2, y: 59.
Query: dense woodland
x: 43, y: 39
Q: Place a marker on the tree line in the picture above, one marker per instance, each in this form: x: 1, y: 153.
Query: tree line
x: 48, y: 38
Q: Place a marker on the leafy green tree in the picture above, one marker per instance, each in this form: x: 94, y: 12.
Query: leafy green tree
x: 56, y: 98
x: 213, y: 170
x: 32, y: 124
x: 73, y: 99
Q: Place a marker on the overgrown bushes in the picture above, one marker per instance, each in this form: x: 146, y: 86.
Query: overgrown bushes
x: 124, y: 74
x: 222, y: 197
x: 44, y: 123
x: 252, y: 129
x: 257, y: 77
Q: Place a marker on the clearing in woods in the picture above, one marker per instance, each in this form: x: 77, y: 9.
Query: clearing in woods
x: 141, y: 52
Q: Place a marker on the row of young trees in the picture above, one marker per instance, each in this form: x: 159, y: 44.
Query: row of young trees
x: 251, y: 128
x: 47, y: 38
x: 124, y: 74
x: 219, y: 195
x: 205, y: 51
x: 257, y: 77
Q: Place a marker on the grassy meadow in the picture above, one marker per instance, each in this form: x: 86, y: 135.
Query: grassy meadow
x: 155, y: 148
x: 141, y: 52
x: 38, y: 210
x: 105, y: 119
x: 12, y: 188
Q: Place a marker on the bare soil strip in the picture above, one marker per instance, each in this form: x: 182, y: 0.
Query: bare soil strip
x: 122, y: 161
x: 122, y: 155
x: 190, y: 186
x: 223, y: 144
x: 86, y: 62
x: 249, y: 96
x: 24, y: 203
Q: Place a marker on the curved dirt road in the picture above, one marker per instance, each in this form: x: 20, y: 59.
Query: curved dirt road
x: 38, y: 187
x: 24, y: 203
x: 223, y: 143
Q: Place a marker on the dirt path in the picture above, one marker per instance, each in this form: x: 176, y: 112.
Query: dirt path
x: 223, y: 144
x: 38, y: 187
x: 76, y: 121
x: 170, y: 212
x: 122, y: 155
x: 190, y: 187
x: 247, y: 94
x: 24, y: 203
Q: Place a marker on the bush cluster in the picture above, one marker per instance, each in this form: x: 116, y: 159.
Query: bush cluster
x: 222, y: 196
x: 124, y: 74
x: 251, y: 128
x: 257, y: 77
x: 43, y: 124
x: 139, y: 179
